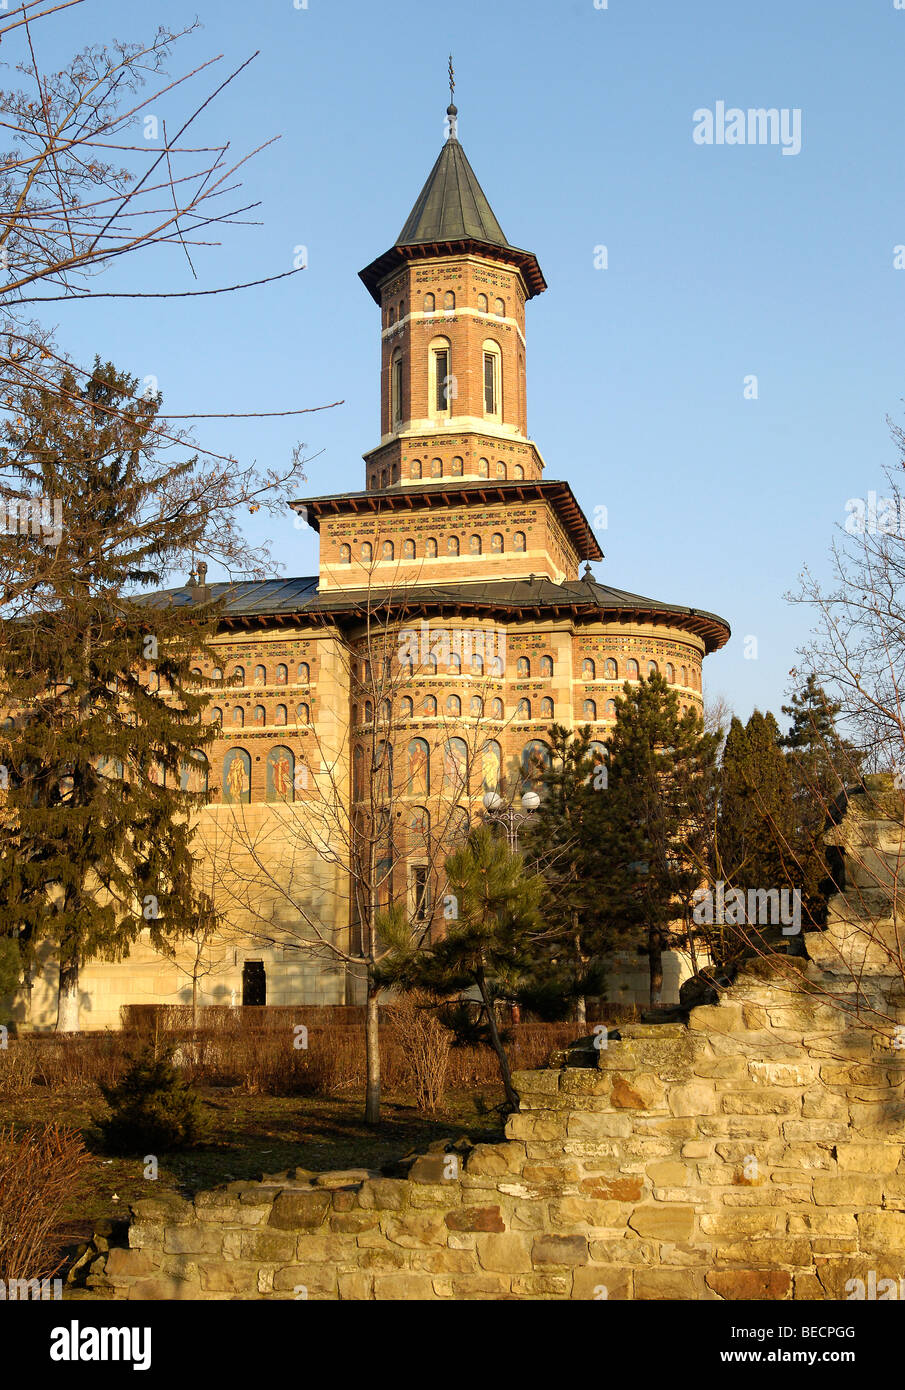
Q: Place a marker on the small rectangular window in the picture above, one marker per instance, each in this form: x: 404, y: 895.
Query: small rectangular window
x: 420, y: 893
x: 397, y: 390
x: 441, y: 364
x: 489, y: 384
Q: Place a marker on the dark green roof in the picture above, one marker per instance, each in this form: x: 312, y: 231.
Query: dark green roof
x: 451, y: 206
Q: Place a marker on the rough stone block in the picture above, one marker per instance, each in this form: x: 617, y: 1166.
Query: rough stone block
x: 566, y: 1251
x: 294, y: 1210
x: 675, y: 1223
x: 752, y: 1284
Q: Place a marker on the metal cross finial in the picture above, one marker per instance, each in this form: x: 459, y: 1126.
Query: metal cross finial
x: 451, y: 112
x: 452, y: 81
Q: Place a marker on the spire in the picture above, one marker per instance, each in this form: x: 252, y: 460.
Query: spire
x: 452, y: 110
x: 452, y: 204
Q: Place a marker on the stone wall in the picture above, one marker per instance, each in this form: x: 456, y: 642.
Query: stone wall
x: 754, y: 1153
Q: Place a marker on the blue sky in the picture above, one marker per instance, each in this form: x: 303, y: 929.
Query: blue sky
x: 723, y: 262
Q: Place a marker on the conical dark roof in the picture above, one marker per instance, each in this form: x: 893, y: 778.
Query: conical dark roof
x: 452, y: 205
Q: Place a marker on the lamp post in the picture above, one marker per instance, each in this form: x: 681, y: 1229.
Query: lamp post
x: 501, y: 812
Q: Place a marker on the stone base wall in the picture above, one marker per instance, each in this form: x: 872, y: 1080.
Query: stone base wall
x: 755, y: 1153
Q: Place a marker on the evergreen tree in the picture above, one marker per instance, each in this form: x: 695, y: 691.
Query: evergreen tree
x: 652, y: 824
x: 756, y: 838
x: 494, y: 932
x: 105, y: 724
x: 557, y: 843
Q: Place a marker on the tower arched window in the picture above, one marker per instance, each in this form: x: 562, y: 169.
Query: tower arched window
x: 367, y: 552
x: 590, y: 710
x: 302, y: 714
x: 452, y: 545
x: 588, y: 669
x: 496, y: 709
x: 501, y: 469
x: 546, y: 708
x: 477, y: 706
x: 280, y: 715
x: 632, y: 669
x: 670, y: 673
x: 345, y: 554
x: 477, y: 664
x: 216, y: 715
x: 518, y: 472
x: 430, y: 548
x: 684, y: 675
x: 455, y: 664
x: 397, y: 387
x: 611, y: 709
x: 429, y: 706
x: 238, y: 716
x: 518, y: 541
x: 449, y: 300
x: 406, y: 707
x: 483, y: 468
x: 457, y: 467
x: 442, y: 384
x: 430, y: 304
x: 612, y: 670
x: 239, y: 675
x: 474, y: 545
x: 653, y: 669
x: 419, y: 767
x: 282, y: 674
x: 524, y: 709
x: 499, y: 308
x: 260, y: 675
x: 303, y: 673
x: 546, y: 666
x: 492, y: 378
x: 496, y: 543
x: 369, y: 711
x: 260, y: 716
x: 523, y: 666
x: 415, y: 468
x: 436, y: 468
x: 387, y: 551
x: 482, y: 303
x: 453, y: 706
x: 408, y: 550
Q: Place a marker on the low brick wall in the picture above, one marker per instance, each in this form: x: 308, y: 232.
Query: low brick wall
x: 755, y: 1153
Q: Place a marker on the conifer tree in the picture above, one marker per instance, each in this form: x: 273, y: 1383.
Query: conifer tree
x: 756, y: 835
x: 652, y: 821
x: 104, y: 735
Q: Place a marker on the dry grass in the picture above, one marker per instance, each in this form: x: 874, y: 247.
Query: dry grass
x: 39, y: 1168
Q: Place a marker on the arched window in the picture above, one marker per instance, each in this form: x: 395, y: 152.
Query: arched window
x: 238, y: 716
x: 196, y: 670
x: 670, y: 673
x: 396, y: 388
x: 345, y: 554
x: 419, y: 827
x: 408, y: 665
x: 452, y: 545
x: 455, y: 765
x: 280, y: 784
x: 684, y: 676
x: 523, y: 666
x: 518, y: 472
x: 653, y: 669
x: 418, y: 767
x: 492, y: 378
x: 483, y: 468
x: 518, y: 541
x: 442, y: 385
x: 303, y: 673
x: 449, y: 300
x: 406, y: 707
x: 193, y: 774
x: 590, y: 710
x: 387, y: 551
x: 408, y: 550
x: 383, y: 768
x: 491, y: 765
x: 477, y: 707
x: 501, y: 469
x: 217, y: 674
x: 546, y: 666
x: 358, y: 773
x: 236, y: 777
x: 632, y: 669
x: 429, y: 706
x: 474, y: 545
x: 369, y: 711
x: 415, y: 468
x: 216, y: 715
x: 611, y: 709
x: 430, y: 665
x: 386, y: 711
x: 453, y: 706
x: 546, y: 708
x: 282, y: 674
x: 499, y: 308
x: 280, y: 715
x: 496, y: 666
x: 302, y: 714
x: 536, y: 760
x: 496, y: 543
x: 457, y: 467
x: 482, y: 303
x: 455, y: 664
x: 496, y: 709
x: 524, y: 709
x: 430, y: 304
x: 367, y: 552
x: 260, y: 716
x: 477, y: 664
x: 612, y: 670
x: 239, y: 675
x: 430, y: 548
x: 588, y: 669
x: 391, y: 315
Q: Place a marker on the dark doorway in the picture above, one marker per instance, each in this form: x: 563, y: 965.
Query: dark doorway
x: 254, y: 982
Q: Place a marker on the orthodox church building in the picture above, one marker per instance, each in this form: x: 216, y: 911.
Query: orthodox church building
x: 449, y: 625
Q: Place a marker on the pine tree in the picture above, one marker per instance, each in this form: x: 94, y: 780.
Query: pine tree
x: 652, y: 822
x: 104, y: 730
x: 494, y: 931
x: 557, y: 844
x: 757, y: 823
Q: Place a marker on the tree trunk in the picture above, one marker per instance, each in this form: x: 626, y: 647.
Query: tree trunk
x: 581, y: 1009
x: 195, y: 1000
x: 372, y: 1056
x: 512, y: 1096
x: 68, y: 997
x: 655, y: 957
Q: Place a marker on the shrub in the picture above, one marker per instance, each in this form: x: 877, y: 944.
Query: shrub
x: 152, y: 1107
x: 39, y: 1169
x: 425, y: 1045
